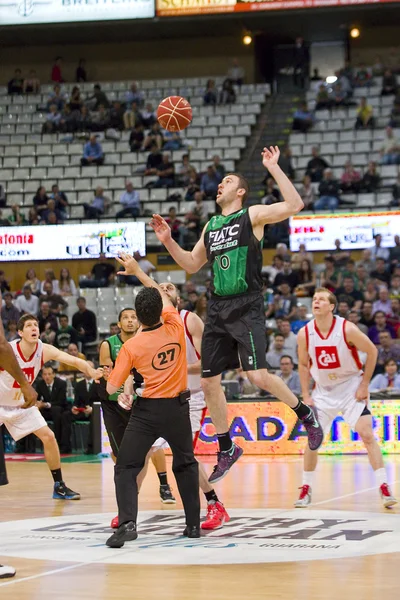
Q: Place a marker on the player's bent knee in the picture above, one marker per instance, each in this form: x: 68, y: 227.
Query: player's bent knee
x: 259, y: 378
x: 47, y: 436
x: 210, y: 384
x: 367, y: 436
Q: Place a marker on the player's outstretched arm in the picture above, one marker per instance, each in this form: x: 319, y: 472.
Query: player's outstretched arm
x: 132, y: 267
x: 292, y: 202
x: 304, y: 370
x: 10, y: 364
x: 192, y: 261
x: 53, y: 353
x: 358, y: 340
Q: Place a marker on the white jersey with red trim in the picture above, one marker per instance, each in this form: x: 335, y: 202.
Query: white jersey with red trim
x: 10, y: 392
x: 192, y: 355
x: 332, y: 359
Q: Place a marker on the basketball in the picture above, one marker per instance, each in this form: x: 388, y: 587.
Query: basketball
x: 174, y: 113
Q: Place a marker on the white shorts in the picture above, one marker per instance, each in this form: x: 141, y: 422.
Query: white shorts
x: 20, y: 422
x: 341, y: 398
x: 197, y: 412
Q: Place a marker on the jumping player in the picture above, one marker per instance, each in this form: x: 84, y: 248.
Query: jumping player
x: 235, y: 328
x: 328, y: 348
x: 31, y: 354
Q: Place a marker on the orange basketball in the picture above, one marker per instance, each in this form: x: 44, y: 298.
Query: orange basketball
x: 174, y: 113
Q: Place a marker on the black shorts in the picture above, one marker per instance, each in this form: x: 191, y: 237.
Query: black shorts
x: 116, y: 419
x: 235, y: 329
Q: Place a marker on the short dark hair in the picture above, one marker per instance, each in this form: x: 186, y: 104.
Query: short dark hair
x: 148, y: 306
x: 121, y: 313
x: 243, y: 183
x: 63, y: 316
x: 278, y: 334
x: 24, y: 319
x: 388, y: 361
x: 48, y: 365
x: 81, y: 298
x: 287, y: 356
x: 114, y: 323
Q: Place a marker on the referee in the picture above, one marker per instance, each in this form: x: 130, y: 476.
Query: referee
x: 158, y: 353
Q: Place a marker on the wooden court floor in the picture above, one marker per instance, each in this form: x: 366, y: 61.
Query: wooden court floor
x: 345, y: 546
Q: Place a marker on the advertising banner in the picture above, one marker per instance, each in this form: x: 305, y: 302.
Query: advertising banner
x: 272, y: 428
x: 180, y: 8
x: 63, y: 242
x: 354, y: 230
x: 26, y: 12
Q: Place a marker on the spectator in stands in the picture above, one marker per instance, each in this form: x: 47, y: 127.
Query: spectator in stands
x: 114, y: 329
x: 316, y: 76
x: 371, y: 291
x: 32, y: 281
x: 75, y: 100
x: 394, y: 252
x: 350, y: 180
x: 3, y: 196
x: 307, y: 279
x: 33, y: 217
x: 210, y: 182
x: 55, y: 301
x: 272, y: 270
x: 52, y: 219
x: 227, y: 94
x: 272, y: 193
x: 67, y: 285
x: 285, y: 162
x: 322, y: 99
x: 53, y: 119
x: 396, y: 193
x: 73, y: 350
x: 380, y: 324
x: 136, y: 138
x: 300, y: 318
x: 81, y: 74
x: 47, y: 323
x: 57, y: 98
x: 388, y: 381
x: 389, y: 84
x: 395, y: 114
x: 56, y: 73
x: 210, y: 95
x: 27, y: 302
x: 100, y: 119
x: 17, y: 217
x: 99, y: 205
x: 307, y: 193
x: 301, y: 255
x: 174, y: 223
x: 116, y: 116
x: 154, y: 160
x: 98, y: 97
x: 362, y: 277
x: 201, y: 307
x: 340, y: 256
x: 31, y: 83
x: 196, y: 218
x: 303, y: 119
x: 348, y: 293
x: 289, y: 375
x: 366, y: 260
x: 236, y: 73
x: 345, y: 85
x: 50, y: 213
x: 165, y: 172
x: 343, y: 309
x: 383, y: 303
x: 9, y: 311
x: 290, y: 340
x: 3, y: 221
x: 390, y: 150
x: 378, y: 66
x: 16, y: 84
x: 65, y: 334
x: 4, y: 283
x: 276, y: 351
x: 349, y: 270
x: 130, y: 201
x: 82, y: 408
x: 288, y: 275
x: 84, y: 121
x: 101, y: 275
x: 185, y: 171
x: 301, y: 63
x: 371, y: 179
x: 285, y: 302
x: 395, y: 287
x: 153, y: 137
x: 11, y: 331
x: 354, y: 317
x: 362, y: 76
x: 377, y: 251
x: 316, y: 166
x: 172, y: 140
x: 134, y: 95
x: 61, y: 201
x: 84, y: 320
x: 329, y: 192
x: 49, y: 277
x: 338, y: 97
x: 92, y: 153
x: 367, y: 316
x: 148, y: 115
x: 132, y: 116
x: 365, y: 118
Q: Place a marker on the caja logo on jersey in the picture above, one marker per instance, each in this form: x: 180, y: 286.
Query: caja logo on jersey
x: 327, y: 357
x: 166, y: 356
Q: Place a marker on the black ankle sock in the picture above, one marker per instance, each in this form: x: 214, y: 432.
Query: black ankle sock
x: 225, y: 442
x: 57, y: 475
x: 211, y: 496
x: 302, y: 410
x: 163, y: 478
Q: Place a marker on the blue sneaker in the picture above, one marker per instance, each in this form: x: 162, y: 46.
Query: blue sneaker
x: 62, y: 492
x: 226, y: 460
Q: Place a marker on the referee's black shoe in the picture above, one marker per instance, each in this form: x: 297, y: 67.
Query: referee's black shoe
x: 125, y: 533
x: 192, y: 531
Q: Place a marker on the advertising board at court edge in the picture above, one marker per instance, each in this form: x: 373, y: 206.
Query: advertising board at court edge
x: 178, y: 8
x: 78, y: 241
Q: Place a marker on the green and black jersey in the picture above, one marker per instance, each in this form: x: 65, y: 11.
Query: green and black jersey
x: 234, y: 253
x: 115, y: 343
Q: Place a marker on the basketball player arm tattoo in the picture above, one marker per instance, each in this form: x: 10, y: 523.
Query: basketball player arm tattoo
x: 10, y: 364
x: 358, y: 340
x: 132, y: 268
x: 195, y: 327
x: 292, y: 202
x: 304, y: 370
x: 52, y: 353
x: 192, y: 261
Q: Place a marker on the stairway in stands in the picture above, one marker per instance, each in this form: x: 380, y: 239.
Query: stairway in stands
x: 272, y: 128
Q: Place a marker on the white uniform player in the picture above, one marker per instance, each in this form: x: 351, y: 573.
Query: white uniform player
x: 328, y: 350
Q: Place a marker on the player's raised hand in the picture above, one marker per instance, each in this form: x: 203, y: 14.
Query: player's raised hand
x: 129, y: 263
x: 161, y: 228
x: 270, y: 156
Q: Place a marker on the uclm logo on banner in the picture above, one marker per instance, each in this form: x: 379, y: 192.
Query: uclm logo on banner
x: 327, y: 357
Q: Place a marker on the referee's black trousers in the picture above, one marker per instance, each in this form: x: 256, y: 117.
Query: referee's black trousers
x: 150, y: 419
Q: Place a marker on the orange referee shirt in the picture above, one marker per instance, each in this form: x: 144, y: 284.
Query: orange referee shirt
x: 159, y: 355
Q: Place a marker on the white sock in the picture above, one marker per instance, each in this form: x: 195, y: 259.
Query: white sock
x: 381, y: 476
x: 308, y: 478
